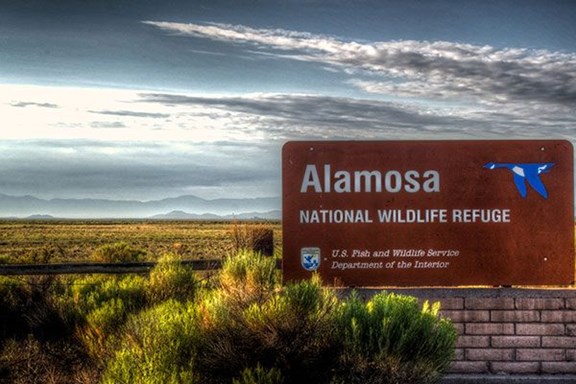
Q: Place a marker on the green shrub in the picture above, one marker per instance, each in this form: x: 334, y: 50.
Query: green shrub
x: 292, y: 331
x: 228, y: 346
x: 120, y: 252
x: 89, y: 293
x: 297, y: 331
x: 101, y: 324
x: 248, y: 277
x: 389, y: 339
x: 169, y: 279
x: 98, y: 305
x: 251, y: 330
x: 259, y: 375
x: 157, y: 347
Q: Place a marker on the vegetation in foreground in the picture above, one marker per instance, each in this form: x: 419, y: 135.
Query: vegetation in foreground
x: 240, y: 326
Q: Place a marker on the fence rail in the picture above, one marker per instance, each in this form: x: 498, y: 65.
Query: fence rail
x: 104, y: 268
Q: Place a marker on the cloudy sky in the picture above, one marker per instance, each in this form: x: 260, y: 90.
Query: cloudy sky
x: 151, y: 99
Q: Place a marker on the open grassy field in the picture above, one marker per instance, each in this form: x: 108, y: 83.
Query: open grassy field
x: 49, y: 241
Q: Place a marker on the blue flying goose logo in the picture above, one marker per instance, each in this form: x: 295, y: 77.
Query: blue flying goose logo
x: 528, y: 172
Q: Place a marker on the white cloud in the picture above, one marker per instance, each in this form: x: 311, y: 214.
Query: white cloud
x: 36, y: 112
x: 430, y: 70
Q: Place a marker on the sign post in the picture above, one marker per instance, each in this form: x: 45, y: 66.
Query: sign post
x: 429, y: 213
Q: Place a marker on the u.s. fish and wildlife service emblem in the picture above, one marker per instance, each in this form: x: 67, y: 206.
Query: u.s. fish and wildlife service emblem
x: 310, y: 258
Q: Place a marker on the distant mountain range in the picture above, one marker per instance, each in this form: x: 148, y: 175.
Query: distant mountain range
x: 182, y: 207
x: 181, y: 215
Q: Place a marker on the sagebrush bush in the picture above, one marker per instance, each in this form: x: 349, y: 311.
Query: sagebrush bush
x: 248, y: 277
x: 296, y: 328
x: 101, y: 324
x: 170, y: 279
x: 90, y: 293
x: 120, y: 252
x: 389, y: 339
x: 97, y: 305
x: 157, y: 346
x: 291, y: 331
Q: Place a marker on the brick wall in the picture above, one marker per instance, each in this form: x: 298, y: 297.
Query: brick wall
x: 508, y: 330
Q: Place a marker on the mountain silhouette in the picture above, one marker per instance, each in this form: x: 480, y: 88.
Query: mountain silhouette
x: 23, y: 206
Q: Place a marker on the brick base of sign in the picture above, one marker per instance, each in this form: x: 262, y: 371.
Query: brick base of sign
x: 455, y: 378
x: 507, y: 331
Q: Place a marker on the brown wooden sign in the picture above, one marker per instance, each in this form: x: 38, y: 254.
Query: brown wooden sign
x: 429, y: 213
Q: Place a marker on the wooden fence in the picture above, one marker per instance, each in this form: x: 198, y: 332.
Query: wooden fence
x: 104, y: 268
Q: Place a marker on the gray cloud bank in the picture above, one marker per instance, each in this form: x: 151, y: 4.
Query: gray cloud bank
x: 313, y: 117
x: 133, y: 170
x: 248, y: 168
